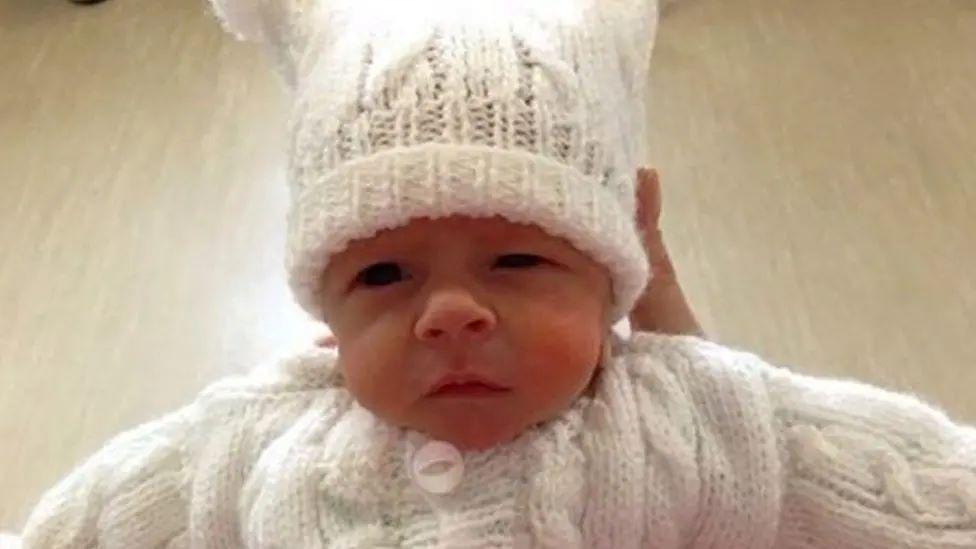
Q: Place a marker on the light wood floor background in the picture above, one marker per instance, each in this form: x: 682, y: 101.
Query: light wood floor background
x: 819, y: 163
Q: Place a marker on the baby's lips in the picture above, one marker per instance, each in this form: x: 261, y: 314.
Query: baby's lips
x: 457, y: 380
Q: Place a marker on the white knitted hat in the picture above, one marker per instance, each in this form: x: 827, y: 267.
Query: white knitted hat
x: 528, y: 109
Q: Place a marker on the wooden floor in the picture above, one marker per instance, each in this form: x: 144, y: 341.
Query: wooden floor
x: 819, y: 162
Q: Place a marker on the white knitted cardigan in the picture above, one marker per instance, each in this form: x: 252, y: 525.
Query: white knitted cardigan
x: 685, y: 444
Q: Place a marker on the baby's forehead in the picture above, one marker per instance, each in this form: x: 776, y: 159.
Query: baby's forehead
x: 484, y: 230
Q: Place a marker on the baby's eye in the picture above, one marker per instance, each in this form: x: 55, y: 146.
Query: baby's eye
x: 376, y: 274
x: 520, y: 260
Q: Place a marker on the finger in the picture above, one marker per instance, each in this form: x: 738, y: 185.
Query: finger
x: 639, y: 198
x: 649, y: 212
x: 653, y: 188
x: 661, y: 266
x: 648, y: 196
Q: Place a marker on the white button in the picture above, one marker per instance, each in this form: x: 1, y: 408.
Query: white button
x: 438, y: 467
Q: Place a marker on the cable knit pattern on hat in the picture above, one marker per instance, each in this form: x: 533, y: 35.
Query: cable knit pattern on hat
x: 685, y: 444
x: 528, y: 109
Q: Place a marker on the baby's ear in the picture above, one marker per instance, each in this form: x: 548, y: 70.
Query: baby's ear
x: 284, y: 27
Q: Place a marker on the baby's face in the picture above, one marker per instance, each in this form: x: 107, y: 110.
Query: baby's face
x: 507, y: 303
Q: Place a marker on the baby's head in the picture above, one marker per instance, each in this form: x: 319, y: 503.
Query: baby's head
x: 401, y: 119
x: 502, y: 301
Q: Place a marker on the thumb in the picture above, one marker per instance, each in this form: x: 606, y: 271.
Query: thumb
x: 649, y: 216
x: 648, y: 199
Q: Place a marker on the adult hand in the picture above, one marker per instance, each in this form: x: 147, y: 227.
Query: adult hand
x: 662, y: 307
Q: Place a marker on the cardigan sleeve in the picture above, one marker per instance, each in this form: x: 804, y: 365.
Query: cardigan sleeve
x: 139, y: 490
x: 130, y: 493
x: 867, y: 468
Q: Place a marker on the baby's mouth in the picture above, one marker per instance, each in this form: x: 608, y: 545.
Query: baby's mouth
x: 466, y: 386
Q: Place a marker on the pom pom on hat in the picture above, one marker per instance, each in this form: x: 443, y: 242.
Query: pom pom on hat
x: 245, y: 19
x: 282, y: 26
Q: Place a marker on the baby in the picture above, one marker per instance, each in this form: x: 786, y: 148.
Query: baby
x: 463, y: 217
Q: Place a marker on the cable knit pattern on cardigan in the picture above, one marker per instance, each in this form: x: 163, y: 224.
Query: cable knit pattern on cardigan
x: 685, y: 444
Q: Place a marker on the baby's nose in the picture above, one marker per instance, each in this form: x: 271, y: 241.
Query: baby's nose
x: 452, y: 316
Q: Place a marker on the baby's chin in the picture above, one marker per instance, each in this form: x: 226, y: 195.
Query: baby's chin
x: 469, y: 433
x: 475, y: 440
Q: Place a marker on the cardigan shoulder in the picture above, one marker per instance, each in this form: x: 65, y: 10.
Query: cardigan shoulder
x: 140, y: 488
x: 719, y: 404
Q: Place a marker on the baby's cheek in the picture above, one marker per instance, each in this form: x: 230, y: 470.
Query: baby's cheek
x: 371, y: 384
x: 567, y: 333
x: 353, y: 376
x: 561, y: 359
